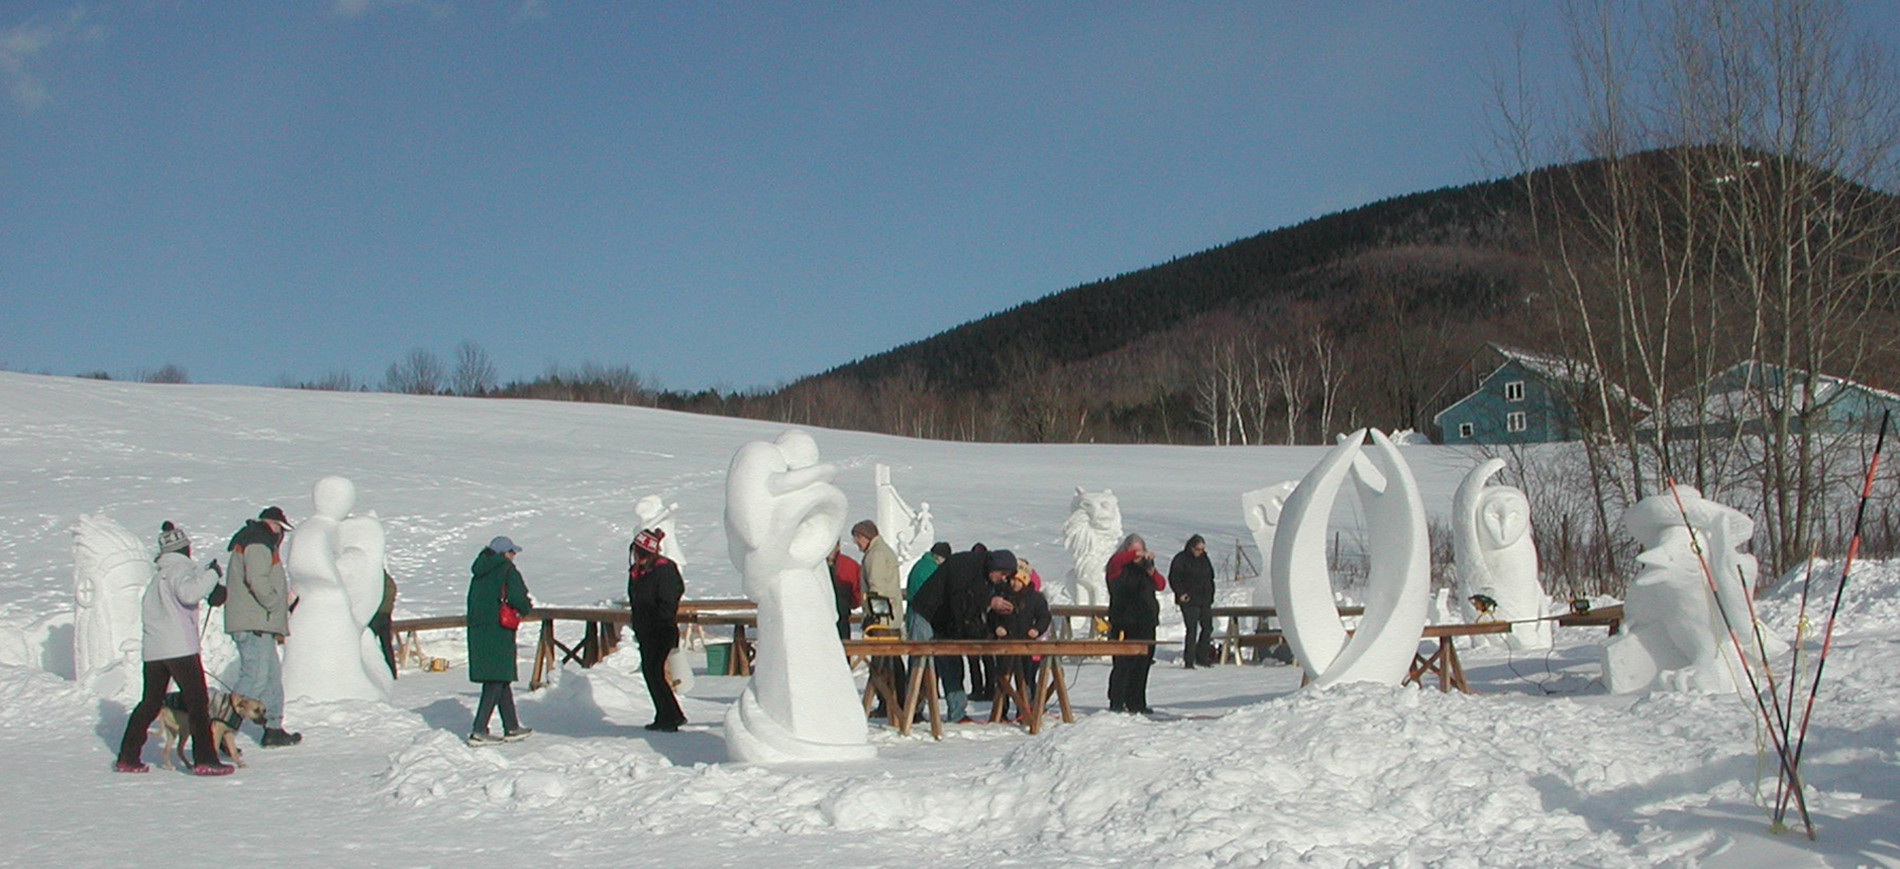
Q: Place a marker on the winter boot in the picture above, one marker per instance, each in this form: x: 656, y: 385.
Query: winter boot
x: 477, y: 740
x: 213, y: 769
x: 279, y: 738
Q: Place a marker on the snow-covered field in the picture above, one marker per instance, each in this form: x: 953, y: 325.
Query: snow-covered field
x: 1541, y: 768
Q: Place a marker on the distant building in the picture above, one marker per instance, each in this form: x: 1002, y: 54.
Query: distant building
x: 1749, y: 396
x: 1526, y: 399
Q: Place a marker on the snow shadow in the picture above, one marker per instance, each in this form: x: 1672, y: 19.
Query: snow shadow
x: 448, y: 714
x: 111, y: 727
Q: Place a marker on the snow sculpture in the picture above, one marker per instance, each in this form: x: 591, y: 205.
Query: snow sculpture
x: 783, y: 516
x: 910, y: 533
x: 1261, y: 509
x: 335, y: 565
x: 1397, y: 587
x: 1496, y: 557
x: 111, y: 569
x: 1674, y: 635
x: 656, y: 513
x: 1091, y: 533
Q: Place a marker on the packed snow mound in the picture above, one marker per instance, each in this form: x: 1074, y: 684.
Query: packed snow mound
x: 1871, y: 601
x: 1358, y: 775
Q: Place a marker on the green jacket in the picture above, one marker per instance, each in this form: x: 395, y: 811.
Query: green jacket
x: 491, y: 647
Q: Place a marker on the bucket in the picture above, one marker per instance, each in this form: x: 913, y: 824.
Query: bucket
x: 718, y: 659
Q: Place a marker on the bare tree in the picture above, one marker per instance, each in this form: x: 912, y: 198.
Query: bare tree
x: 474, y: 371
x: 170, y: 372
x: 419, y: 373
x: 1731, y: 212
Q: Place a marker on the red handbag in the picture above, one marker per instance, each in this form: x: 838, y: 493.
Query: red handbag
x: 510, y: 619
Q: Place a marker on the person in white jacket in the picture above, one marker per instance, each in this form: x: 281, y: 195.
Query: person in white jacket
x: 170, y: 635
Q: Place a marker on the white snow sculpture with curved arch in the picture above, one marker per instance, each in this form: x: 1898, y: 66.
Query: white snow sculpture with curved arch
x: 1091, y: 533
x: 783, y: 516
x: 1496, y: 557
x: 1397, y: 586
x: 111, y: 569
x: 1261, y: 509
x: 910, y: 533
x: 1674, y: 635
x: 653, y: 512
x: 335, y: 565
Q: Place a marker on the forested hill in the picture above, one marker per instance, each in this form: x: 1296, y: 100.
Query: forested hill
x: 1381, y: 315
x: 1087, y: 321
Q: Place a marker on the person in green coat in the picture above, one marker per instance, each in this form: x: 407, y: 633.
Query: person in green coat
x: 491, y: 647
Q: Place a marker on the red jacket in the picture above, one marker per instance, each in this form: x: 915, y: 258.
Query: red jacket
x: 845, y: 572
x: 1121, y: 559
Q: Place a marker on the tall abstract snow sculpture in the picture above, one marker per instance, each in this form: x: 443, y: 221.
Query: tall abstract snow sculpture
x: 1495, y: 556
x: 111, y: 569
x: 783, y: 516
x: 335, y: 565
x: 1261, y: 508
x: 1397, y: 586
x: 1091, y: 533
x: 1674, y: 636
x: 653, y: 512
x: 910, y: 533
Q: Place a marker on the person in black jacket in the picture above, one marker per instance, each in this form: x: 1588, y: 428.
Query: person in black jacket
x: 1191, y: 577
x: 1133, y: 614
x: 654, y: 589
x: 954, y: 600
x: 1017, y: 612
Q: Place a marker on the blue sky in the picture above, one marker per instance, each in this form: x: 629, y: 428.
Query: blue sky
x: 716, y: 194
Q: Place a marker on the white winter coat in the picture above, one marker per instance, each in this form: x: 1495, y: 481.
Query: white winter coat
x: 170, y: 608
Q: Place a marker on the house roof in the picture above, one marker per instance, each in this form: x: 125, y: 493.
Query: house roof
x: 1555, y: 369
x: 1742, y: 402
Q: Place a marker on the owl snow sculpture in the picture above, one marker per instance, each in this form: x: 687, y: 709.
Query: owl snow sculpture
x: 1496, y: 558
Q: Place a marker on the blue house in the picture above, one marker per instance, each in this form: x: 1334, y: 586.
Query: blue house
x: 1527, y: 399
x: 1748, y: 397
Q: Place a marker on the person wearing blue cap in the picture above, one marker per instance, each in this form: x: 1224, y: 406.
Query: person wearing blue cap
x: 493, y: 584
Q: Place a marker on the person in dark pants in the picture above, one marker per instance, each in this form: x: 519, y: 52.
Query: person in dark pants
x: 491, y: 646
x: 1017, y: 612
x: 1133, y: 614
x: 1191, y: 577
x: 954, y: 599
x: 169, y: 632
x: 654, y: 589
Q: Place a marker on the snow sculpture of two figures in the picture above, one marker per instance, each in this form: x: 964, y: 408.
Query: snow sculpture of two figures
x: 335, y: 565
x: 1261, y: 508
x: 1496, y: 557
x: 910, y: 533
x: 1397, y: 586
x: 783, y: 516
x: 654, y: 513
x: 111, y: 569
x: 1676, y: 632
x: 1091, y: 533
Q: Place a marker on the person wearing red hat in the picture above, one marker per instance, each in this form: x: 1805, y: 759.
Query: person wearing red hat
x: 654, y: 589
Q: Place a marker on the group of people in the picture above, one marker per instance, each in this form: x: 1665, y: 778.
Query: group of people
x: 991, y: 594
x: 979, y: 593
x: 256, y: 597
x: 498, y: 599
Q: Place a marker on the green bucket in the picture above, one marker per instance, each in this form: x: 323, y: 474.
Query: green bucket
x: 718, y: 659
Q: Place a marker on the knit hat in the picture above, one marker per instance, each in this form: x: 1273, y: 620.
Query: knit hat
x: 649, y: 540
x: 172, y: 538
x: 941, y: 549
x: 503, y: 545
x: 1003, y: 560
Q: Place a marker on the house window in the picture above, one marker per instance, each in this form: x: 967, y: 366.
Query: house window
x: 1514, y: 391
x: 1465, y: 430
x: 1516, y: 421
